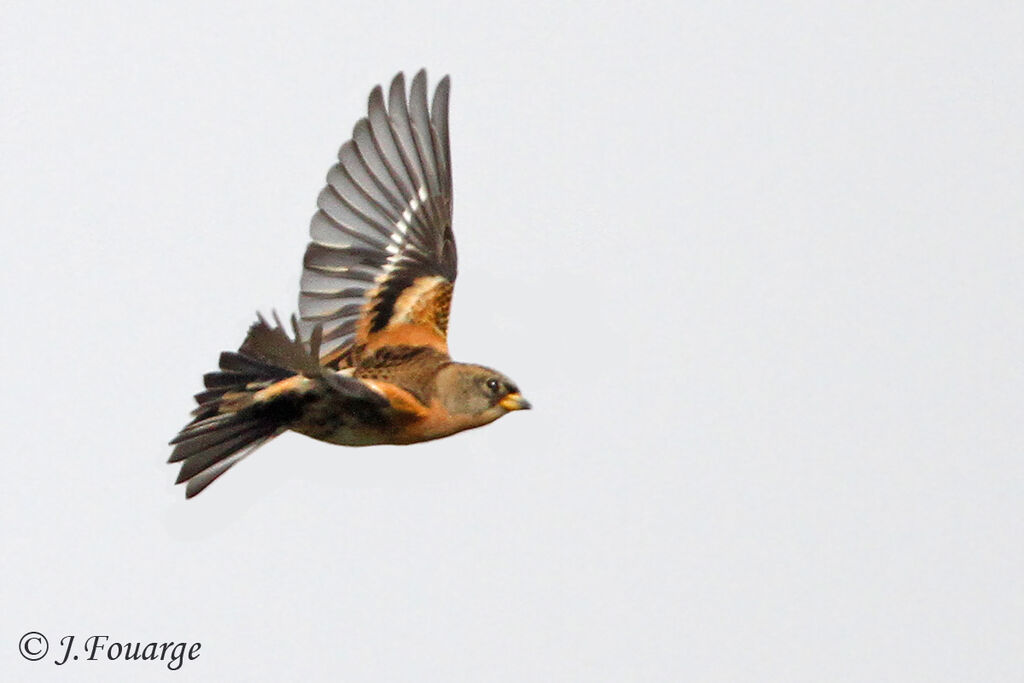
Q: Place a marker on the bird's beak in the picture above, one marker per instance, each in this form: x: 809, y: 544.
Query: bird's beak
x: 514, y: 402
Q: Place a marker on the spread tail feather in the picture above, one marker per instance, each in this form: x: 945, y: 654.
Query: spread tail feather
x: 209, y: 447
x: 229, y: 423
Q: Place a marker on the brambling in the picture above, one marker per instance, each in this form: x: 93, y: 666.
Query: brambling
x: 367, y: 360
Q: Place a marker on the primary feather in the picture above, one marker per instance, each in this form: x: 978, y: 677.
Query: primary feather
x: 384, y: 218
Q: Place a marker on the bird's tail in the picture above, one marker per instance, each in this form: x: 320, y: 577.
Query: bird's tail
x: 248, y: 402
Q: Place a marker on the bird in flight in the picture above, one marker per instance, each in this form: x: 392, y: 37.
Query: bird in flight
x: 367, y: 360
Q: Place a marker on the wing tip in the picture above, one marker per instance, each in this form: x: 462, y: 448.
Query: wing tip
x: 398, y: 83
x: 439, y: 104
x: 376, y: 101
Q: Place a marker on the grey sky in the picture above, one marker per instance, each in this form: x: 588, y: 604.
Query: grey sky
x: 757, y: 268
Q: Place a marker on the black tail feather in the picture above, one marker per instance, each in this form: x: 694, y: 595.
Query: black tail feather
x: 241, y: 363
x: 227, y: 425
x: 208, y: 448
x: 199, y: 482
x: 211, y: 447
x: 208, y: 395
x: 202, y: 435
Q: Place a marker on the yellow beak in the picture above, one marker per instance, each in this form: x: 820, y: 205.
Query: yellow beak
x: 514, y: 402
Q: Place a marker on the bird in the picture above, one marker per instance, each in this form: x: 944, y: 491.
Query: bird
x: 366, y: 360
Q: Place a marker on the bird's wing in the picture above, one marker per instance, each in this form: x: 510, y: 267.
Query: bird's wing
x: 381, y: 263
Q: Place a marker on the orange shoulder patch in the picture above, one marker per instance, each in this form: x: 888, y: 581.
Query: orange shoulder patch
x: 401, y: 400
x: 419, y: 317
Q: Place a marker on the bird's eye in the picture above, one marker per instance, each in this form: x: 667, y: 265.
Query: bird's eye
x: 494, y: 385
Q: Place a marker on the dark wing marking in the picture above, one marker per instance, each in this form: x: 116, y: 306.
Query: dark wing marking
x: 275, y: 347
x: 384, y: 223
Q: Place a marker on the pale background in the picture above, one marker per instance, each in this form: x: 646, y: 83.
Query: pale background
x: 758, y: 268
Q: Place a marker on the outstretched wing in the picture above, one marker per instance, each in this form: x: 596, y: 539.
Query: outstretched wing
x: 382, y: 261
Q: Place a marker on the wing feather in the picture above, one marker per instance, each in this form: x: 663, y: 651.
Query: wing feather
x: 382, y: 253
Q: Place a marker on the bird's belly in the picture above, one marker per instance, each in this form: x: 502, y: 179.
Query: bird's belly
x: 346, y: 430
x: 325, y: 421
x: 353, y: 435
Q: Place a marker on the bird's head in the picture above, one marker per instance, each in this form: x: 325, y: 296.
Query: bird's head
x: 477, y: 394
